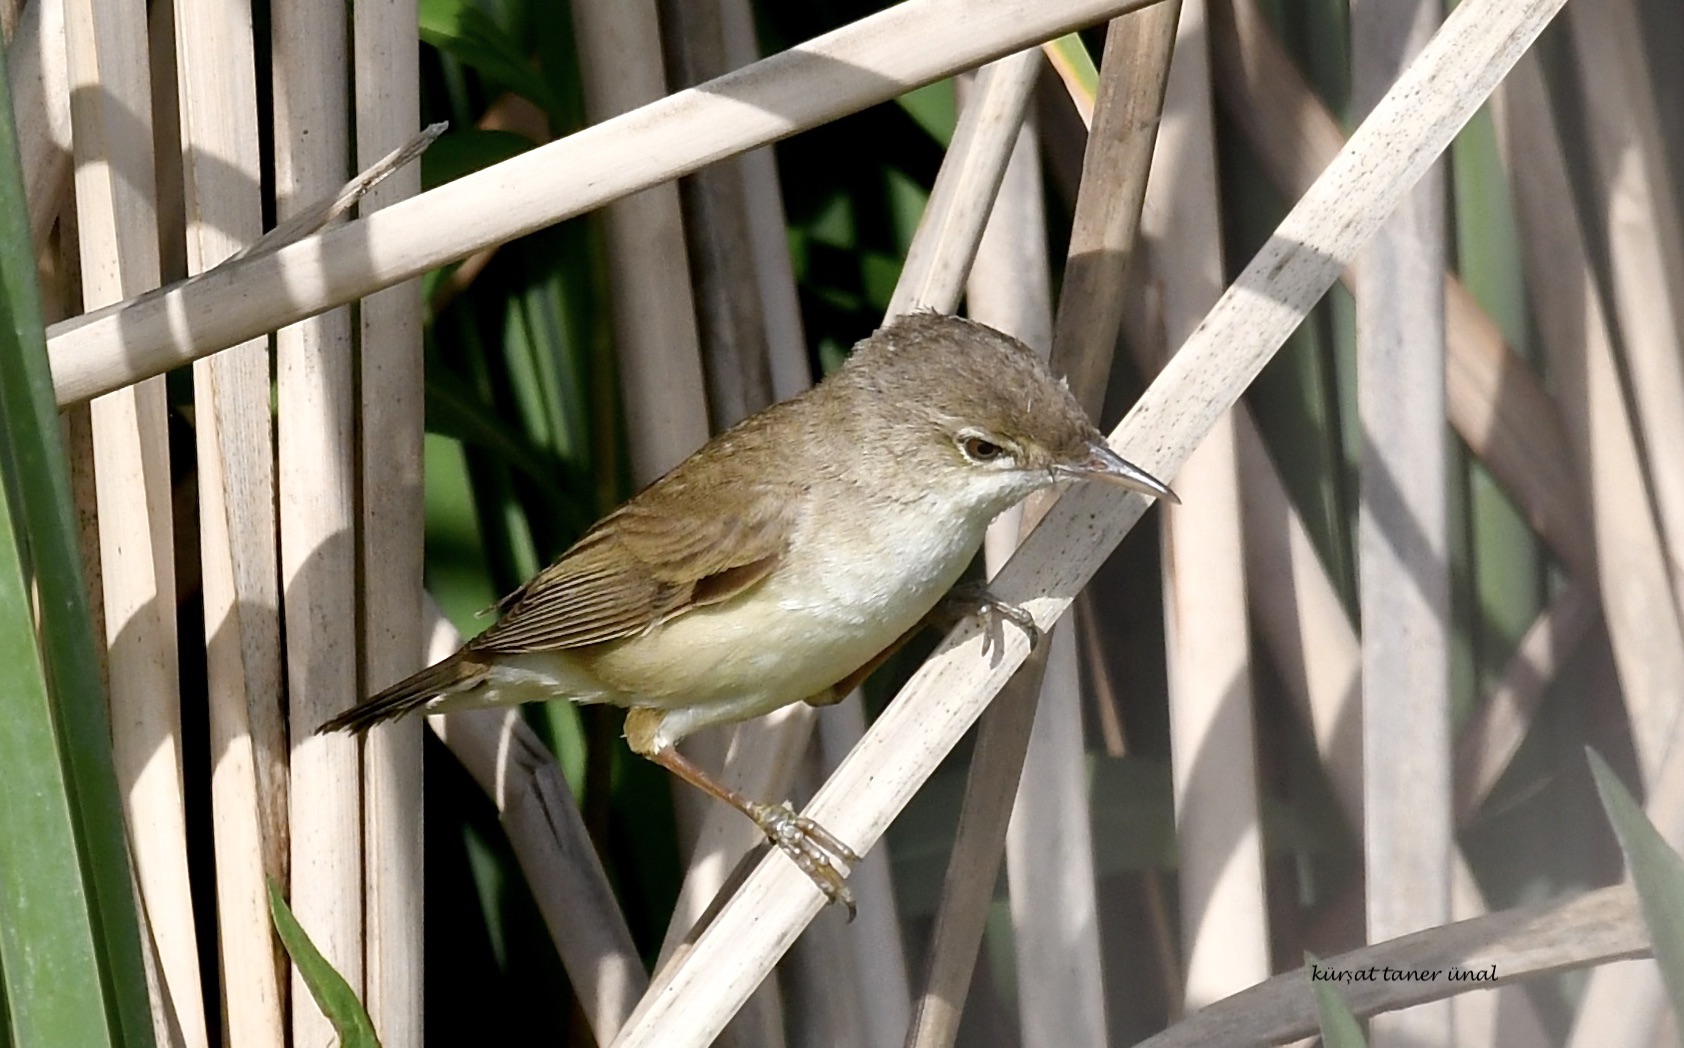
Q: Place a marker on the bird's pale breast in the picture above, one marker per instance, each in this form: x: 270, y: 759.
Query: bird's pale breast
x: 816, y: 619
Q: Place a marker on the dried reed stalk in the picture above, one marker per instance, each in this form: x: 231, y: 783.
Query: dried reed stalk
x: 318, y: 517
x: 874, y: 938
x: 1117, y: 160
x: 937, y: 263
x: 1523, y: 943
x: 387, y: 76
x: 662, y: 386
x: 1637, y: 211
x: 867, y: 991
x: 40, y: 83
x: 551, y: 844
x: 1118, y: 153
x: 729, y: 314
x: 968, y: 885
x: 217, y: 93
x: 1619, y: 1007
x: 1479, y: 42
x: 654, y: 314
x: 1301, y: 620
x: 948, y: 239
x: 1049, y: 838
x: 118, y: 242
x: 726, y: 373
x: 858, y: 65
x: 942, y: 248
x: 1403, y: 539
x: 1494, y: 401
x: 1224, y: 925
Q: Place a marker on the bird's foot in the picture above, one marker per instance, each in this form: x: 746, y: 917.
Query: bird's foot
x: 975, y: 599
x: 815, y: 849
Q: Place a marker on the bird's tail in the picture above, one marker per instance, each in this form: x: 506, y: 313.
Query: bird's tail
x: 408, y: 695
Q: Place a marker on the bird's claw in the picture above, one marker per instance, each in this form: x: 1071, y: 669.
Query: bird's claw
x: 1013, y: 614
x: 817, y: 851
x: 977, y: 600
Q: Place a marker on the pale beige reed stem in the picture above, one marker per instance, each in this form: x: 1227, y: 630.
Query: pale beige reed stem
x: 937, y: 262
x: 1403, y: 539
x: 865, y: 62
x: 1118, y: 153
x: 551, y: 844
x: 1494, y: 401
x: 1224, y: 925
x: 1620, y: 1005
x: 318, y: 516
x: 1575, y: 326
x: 1010, y: 289
x: 730, y: 317
x: 1523, y: 943
x: 729, y: 326
x: 1115, y: 166
x: 217, y: 94
x: 1496, y: 404
x: 40, y: 83
x: 953, y: 221
x: 940, y: 254
x: 968, y: 883
x: 1315, y: 649
x: 654, y: 314
x: 1479, y: 42
x: 1637, y: 210
x: 387, y: 75
x: 662, y: 385
x: 662, y: 389
x: 1301, y: 620
x: 118, y: 242
x: 872, y: 943
x: 874, y: 938
x: 1049, y: 838
x: 786, y: 344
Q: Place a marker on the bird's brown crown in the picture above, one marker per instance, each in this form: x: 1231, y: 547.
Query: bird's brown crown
x: 957, y: 375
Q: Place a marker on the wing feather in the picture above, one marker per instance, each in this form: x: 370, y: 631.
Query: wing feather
x: 645, y: 564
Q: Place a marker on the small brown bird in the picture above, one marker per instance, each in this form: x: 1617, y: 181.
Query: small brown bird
x: 787, y: 558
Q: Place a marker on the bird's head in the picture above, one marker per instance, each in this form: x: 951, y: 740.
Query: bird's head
x: 977, y: 416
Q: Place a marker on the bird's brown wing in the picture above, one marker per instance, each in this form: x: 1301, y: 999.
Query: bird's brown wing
x: 644, y: 564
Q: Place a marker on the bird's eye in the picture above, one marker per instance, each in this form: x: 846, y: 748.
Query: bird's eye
x: 980, y: 449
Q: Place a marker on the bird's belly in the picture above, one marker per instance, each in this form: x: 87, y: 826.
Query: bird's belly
x: 793, y: 636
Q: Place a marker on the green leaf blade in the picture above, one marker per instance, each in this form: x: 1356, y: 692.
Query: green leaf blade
x: 333, y: 995
x: 1339, y: 1028
x: 1657, y: 871
x: 70, y: 930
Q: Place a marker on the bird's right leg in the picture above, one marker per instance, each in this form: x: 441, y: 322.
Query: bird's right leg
x: 816, y: 850
x: 974, y: 598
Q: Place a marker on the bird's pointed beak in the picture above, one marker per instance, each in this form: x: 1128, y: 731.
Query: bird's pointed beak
x: 1106, y: 465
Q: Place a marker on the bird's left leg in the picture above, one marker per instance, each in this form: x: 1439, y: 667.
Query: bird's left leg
x: 816, y: 850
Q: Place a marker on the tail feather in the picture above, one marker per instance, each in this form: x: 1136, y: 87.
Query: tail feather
x: 408, y: 695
